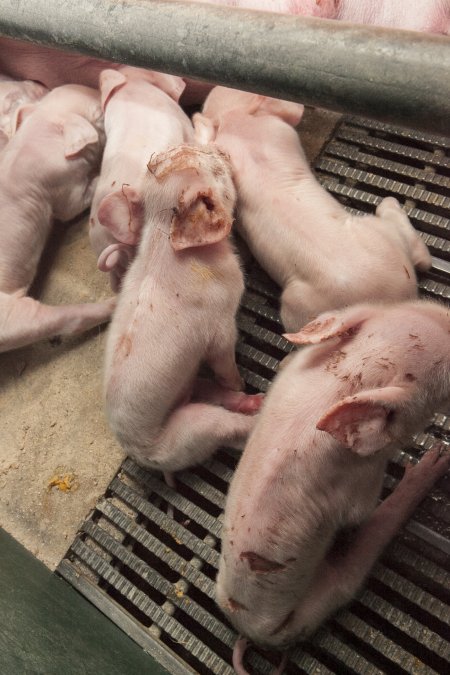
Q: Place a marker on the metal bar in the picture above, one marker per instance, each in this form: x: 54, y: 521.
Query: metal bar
x: 395, y: 76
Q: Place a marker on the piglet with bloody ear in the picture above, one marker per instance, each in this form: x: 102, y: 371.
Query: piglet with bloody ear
x: 176, y: 310
x: 371, y: 376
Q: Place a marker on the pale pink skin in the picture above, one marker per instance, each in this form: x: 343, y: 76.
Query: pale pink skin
x: 324, y: 257
x: 333, y: 417
x: 47, y: 171
x: 319, y: 8
x: 429, y: 16
x: 13, y: 95
x: 176, y: 310
x: 142, y: 118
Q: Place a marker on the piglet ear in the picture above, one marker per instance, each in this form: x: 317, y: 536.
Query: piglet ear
x: 331, y: 325
x: 203, y: 213
x: 110, y: 81
x: 363, y: 422
x: 205, y: 128
x: 289, y: 111
x: 122, y: 212
x: 172, y: 85
x: 77, y: 133
x: 21, y: 114
x: 200, y: 221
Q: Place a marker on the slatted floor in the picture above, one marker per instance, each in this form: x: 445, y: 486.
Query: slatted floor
x: 154, y: 575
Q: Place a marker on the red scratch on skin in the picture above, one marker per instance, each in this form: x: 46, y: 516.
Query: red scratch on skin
x: 123, y: 347
x: 261, y: 565
x: 284, y: 623
x: 407, y: 273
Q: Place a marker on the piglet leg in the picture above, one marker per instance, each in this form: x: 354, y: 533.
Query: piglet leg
x: 338, y: 580
x: 191, y: 435
x: 236, y: 401
x: 24, y: 320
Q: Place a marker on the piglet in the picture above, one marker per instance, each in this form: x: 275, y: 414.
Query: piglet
x: 334, y: 416
x: 323, y: 257
x: 176, y: 310
x: 47, y: 171
x: 142, y: 117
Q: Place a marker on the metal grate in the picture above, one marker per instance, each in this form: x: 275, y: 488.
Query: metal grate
x: 154, y: 575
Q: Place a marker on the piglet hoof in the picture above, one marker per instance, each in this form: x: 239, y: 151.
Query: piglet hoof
x: 250, y: 403
x: 169, y: 477
x: 421, y: 477
x: 282, y: 666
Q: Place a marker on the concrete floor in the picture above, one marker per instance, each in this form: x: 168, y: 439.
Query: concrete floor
x: 57, y: 455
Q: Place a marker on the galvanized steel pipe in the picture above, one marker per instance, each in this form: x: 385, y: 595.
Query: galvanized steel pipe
x: 394, y: 76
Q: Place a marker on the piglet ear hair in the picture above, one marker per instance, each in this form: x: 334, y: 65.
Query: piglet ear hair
x: 110, y: 81
x: 205, y: 128
x: 331, y: 325
x: 363, y: 422
x: 78, y: 133
x: 122, y: 212
x: 289, y: 111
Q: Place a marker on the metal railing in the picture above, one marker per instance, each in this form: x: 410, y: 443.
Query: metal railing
x: 394, y: 76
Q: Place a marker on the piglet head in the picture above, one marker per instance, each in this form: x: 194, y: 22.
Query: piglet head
x: 201, y: 180
x: 111, y: 81
x: 222, y: 100
x: 374, y: 419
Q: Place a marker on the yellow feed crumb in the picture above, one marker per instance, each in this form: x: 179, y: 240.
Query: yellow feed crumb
x: 63, y: 482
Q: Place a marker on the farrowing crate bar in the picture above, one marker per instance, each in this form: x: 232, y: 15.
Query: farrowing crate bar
x: 394, y: 76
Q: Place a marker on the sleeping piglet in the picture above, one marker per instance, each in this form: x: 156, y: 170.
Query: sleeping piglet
x: 324, y: 258
x: 142, y: 117
x: 371, y: 377
x: 47, y: 171
x: 176, y: 310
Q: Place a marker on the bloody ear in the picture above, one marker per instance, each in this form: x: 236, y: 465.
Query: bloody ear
x: 110, y: 81
x: 199, y: 222
x: 203, y: 213
x: 363, y: 422
x: 331, y: 325
x: 122, y: 212
x: 77, y: 133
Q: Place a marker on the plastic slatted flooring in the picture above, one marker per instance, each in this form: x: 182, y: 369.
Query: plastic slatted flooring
x: 154, y: 575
